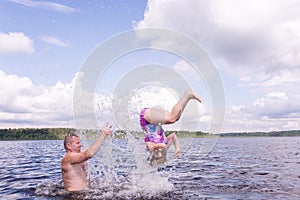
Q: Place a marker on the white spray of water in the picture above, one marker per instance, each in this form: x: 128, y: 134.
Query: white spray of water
x: 121, y: 165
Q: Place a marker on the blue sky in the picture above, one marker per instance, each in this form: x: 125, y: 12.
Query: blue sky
x: 62, y: 38
x: 254, y: 45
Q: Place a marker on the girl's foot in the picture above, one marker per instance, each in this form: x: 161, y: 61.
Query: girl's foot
x: 177, y: 153
x: 191, y: 95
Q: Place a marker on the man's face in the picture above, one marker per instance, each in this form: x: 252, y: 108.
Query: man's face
x: 76, y: 145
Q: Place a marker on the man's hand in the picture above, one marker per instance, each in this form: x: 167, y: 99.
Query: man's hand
x: 107, y: 131
x: 95, y: 147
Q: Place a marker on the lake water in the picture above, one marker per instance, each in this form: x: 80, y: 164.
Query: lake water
x: 236, y: 168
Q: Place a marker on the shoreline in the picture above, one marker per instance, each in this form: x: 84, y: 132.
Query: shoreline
x: 60, y: 133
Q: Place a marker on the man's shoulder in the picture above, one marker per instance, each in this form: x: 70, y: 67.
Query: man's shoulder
x: 74, y: 158
x: 68, y: 157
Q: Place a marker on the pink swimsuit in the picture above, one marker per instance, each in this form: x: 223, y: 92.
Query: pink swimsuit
x: 153, y: 133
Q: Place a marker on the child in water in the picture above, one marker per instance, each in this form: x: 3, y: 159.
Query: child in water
x: 151, y: 121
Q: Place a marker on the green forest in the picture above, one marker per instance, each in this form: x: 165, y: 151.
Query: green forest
x: 263, y: 134
x: 60, y: 133
x: 35, y: 133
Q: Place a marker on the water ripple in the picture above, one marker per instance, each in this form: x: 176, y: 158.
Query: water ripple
x: 237, y: 168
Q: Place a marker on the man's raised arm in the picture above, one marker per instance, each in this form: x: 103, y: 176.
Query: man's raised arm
x: 95, y: 147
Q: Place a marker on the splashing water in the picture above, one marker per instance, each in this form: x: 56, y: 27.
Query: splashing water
x: 120, y: 170
x: 128, y: 154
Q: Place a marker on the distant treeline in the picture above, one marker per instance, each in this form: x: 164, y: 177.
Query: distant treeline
x: 184, y: 134
x: 50, y: 133
x: 263, y: 134
x: 60, y: 133
x: 35, y: 133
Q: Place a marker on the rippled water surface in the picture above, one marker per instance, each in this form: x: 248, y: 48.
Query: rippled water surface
x: 237, y: 168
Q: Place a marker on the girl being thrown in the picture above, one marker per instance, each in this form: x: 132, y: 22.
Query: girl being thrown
x: 151, y: 120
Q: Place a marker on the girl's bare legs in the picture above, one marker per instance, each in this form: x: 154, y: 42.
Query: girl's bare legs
x: 160, y: 116
x: 158, y: 152
x: 152, y: 146
x: 172, y: 138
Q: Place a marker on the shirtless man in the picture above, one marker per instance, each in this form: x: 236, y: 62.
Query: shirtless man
x: 74, y: 166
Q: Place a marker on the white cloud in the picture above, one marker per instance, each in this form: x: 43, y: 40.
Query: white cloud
x: 273, y: 112
x: 15, y: 42
x: 277, y: 105
x: 256, y: 44
x: 24, y: 104
x: 293, y: 26
x: 291, y: 59
x: 54, y: 41
x: 242, y: 33
x: 46, y: 5
x: 185, y: 69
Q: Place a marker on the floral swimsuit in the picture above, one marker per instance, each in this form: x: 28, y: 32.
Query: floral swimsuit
x: 153, y: 133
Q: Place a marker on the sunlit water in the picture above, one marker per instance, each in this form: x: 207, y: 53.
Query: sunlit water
x: 237, y: 168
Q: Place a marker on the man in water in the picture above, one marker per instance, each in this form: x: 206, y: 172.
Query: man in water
x: 74, y: 166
